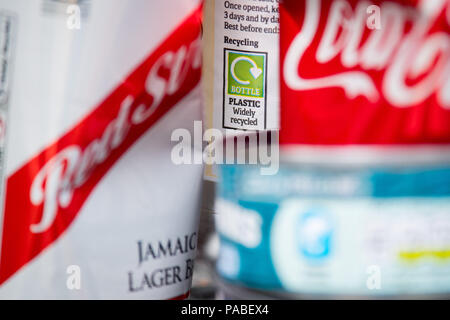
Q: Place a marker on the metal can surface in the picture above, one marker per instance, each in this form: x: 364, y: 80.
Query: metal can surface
x: 92, y: 206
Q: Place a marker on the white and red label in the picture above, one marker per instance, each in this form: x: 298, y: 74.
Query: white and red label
x: 344, y: 82
x: 44, y: 196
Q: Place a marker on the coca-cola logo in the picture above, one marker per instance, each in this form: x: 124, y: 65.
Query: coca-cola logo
x: 402, y: 64
x: 44, y: 196
x: 401, y: 56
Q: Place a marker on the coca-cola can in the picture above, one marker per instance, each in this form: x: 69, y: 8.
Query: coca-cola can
x: 355, y: 72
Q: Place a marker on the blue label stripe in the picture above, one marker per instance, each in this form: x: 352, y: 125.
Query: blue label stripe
x: 238, y: 182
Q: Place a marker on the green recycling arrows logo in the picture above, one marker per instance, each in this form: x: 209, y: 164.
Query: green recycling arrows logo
x: 246, y: 74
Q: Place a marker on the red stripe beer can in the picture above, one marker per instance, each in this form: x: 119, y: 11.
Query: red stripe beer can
x: 92, y: 206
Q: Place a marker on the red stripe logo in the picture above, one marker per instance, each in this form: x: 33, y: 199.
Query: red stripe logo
x: 45, y: 195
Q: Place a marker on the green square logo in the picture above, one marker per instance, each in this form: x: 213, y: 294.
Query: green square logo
x: 246, y: 74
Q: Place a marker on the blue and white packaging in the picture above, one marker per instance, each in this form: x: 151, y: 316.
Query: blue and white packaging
x: 349, y: 221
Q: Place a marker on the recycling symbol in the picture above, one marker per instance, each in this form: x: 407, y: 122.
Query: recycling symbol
x: 254, y: 70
